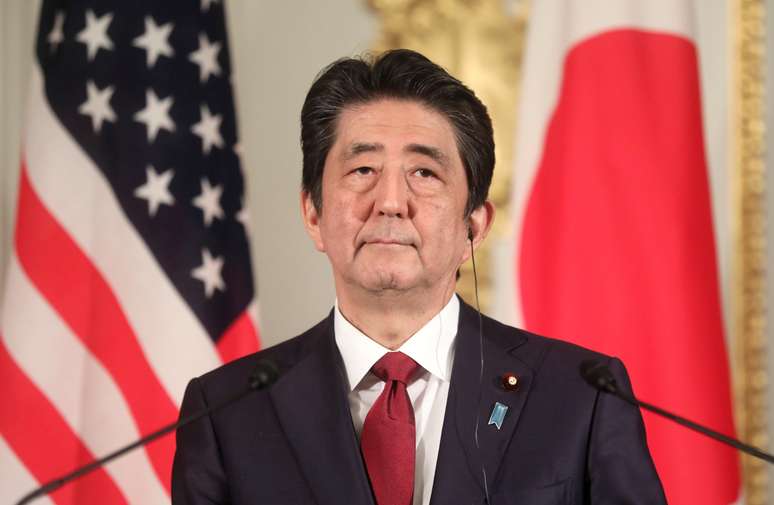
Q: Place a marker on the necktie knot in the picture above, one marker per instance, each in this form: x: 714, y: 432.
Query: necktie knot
x: 395, y: 366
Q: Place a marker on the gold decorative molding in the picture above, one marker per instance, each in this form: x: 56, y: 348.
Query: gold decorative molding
x: 481, y: 43
x: 749, y: 212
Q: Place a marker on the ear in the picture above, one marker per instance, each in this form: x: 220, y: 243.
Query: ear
x: 311, y: 220
x: 479, y: 224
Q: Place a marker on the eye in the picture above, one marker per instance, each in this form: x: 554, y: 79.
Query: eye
x: 424, y: 173
x: 363, y: 171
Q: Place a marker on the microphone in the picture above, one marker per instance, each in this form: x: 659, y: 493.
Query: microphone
x: 599, y: 376
x: 263, y: 375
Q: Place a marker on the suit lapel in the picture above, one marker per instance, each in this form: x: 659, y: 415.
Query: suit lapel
x: 311, y: 403
x: 467, y: 400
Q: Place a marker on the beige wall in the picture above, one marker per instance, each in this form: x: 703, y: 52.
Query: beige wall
x: 278, y: 48
x: 18, y: 20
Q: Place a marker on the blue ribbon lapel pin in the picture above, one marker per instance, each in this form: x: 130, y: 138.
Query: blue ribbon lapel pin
x: 498, y: 415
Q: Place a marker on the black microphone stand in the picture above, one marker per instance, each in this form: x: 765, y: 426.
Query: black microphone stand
x: 599, y: 376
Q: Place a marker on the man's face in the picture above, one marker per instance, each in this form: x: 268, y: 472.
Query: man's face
x: 394, y: 192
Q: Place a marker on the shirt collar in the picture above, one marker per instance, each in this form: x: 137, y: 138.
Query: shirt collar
x: 431, y: 346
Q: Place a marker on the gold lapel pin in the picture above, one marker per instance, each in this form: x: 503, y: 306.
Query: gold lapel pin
x: 509, y: 381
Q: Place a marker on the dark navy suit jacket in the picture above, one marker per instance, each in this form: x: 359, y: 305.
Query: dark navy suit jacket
x: 561, y: 442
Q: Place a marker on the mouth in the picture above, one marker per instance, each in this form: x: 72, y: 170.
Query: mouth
x: 386, y: 236
x: 387, y: 242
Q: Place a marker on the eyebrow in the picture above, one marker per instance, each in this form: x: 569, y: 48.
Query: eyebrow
x: 368, y: 147
x: 431, y: 152
x: 362, y: 147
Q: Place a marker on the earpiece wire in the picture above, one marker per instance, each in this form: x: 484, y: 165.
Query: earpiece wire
x: 481, y: 369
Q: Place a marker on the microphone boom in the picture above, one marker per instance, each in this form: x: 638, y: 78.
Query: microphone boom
x: 263, y: 375
x: 599, y: 376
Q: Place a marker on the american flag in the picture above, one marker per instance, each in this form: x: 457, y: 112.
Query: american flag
x: 130, y: 271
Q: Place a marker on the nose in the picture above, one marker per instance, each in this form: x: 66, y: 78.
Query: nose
x: 392, y: 194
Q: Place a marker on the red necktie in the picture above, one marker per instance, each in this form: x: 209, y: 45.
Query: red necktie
x: 388, y: 436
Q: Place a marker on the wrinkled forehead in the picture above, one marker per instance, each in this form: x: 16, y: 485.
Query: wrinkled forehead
x: 378, y: 125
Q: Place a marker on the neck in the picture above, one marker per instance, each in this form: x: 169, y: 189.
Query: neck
x: 392, y: 317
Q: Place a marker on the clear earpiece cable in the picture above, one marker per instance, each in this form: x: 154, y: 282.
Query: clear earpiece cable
x: 481, y: 370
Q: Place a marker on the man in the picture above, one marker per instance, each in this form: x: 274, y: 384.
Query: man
x: 404, y: 394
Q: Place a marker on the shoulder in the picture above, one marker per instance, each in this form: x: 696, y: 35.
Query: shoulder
x: 559, y: 359
x: 284, y: 355
x: 554, y: 365
x: 534, y: 347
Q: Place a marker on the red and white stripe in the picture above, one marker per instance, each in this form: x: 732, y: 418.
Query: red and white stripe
x: 14, y: 471
x: 97, y: 346
x: 613, y: 243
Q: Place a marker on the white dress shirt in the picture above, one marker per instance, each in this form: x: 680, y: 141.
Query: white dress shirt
x: 433, y: 348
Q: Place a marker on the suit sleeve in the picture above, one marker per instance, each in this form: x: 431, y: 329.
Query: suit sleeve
x: 198, y: 476
x: 620, y: 466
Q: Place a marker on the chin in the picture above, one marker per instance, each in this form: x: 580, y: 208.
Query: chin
x: 388, y: 281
